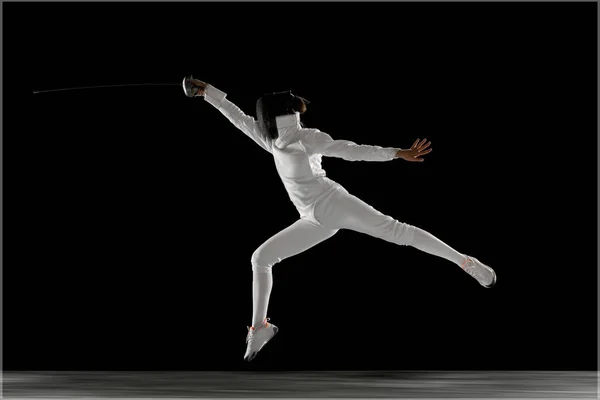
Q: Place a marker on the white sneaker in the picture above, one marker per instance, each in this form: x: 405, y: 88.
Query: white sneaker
x: 478, y: 270
x: 258, y: 337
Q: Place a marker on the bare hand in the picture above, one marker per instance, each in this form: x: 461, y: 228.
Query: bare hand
x: 200, y: 85
x: 415, y: 152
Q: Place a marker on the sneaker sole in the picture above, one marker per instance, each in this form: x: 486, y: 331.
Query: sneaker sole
x: 491, y: 285
x: 275, y: 330
x: 253, y: 355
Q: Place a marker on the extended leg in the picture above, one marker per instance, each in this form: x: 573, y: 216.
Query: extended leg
x: 345, y: 211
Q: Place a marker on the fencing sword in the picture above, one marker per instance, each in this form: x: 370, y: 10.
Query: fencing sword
x: 104, y: 86
x: 186, y: 85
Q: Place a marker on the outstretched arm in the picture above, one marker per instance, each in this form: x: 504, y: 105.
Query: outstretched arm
x: 234, y: 114
x: 350, y: 151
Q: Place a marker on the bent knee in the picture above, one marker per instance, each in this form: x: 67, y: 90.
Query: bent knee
x: 404, y: 234
x: 262, y: 261
x: 263, y: 270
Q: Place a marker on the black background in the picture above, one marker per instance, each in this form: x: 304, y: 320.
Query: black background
x: 131, y: 214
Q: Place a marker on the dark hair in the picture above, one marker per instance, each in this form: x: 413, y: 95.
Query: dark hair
x: 272, y: 105
x: 298, y: 105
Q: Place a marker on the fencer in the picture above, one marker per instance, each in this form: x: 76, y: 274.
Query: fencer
x: 324, y: 206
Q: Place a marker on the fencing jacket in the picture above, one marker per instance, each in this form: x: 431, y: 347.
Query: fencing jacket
x: 298, y: 151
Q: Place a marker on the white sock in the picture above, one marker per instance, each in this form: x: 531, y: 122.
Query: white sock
x: 428, y: 243
x: 262, y: 283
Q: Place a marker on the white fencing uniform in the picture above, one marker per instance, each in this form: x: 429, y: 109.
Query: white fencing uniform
x: 324, y: 205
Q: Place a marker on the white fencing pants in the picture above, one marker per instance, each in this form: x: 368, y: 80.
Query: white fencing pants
x: 337, y: 210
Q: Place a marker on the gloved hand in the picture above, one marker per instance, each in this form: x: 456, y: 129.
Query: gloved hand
x: 193, y: 87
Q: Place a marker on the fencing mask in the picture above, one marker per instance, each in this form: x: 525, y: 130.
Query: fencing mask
x: 273, y: 105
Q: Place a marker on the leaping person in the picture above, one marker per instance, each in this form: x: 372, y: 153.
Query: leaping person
x: 324, y: 205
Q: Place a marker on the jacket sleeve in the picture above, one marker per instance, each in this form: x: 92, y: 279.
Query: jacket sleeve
x: 322, y: 143
x: 243, y: 122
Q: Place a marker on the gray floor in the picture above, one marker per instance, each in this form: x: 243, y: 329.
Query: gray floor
x: 372, y: 384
